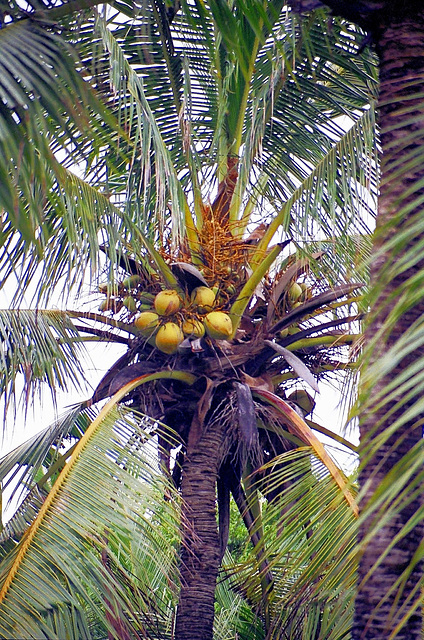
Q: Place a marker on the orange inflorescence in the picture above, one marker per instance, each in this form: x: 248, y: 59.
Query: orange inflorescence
x: 222, y: 256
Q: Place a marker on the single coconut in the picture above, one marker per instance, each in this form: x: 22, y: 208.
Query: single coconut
x: 130, y: 303
x: 167, y: 302
x: 193, y: 327
x: 218, y: 325
x: 169, y: 337
x: 203, y: 298
x: 146, y: 322
x: 132, y: 281
x: 111, y: 304
x: 295, y: 291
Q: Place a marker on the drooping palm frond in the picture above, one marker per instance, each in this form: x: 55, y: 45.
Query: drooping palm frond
x: 297, y: 117
x: 309, y: 538
x: 29, y: 462
x: 42, y: 95
x: 42, y: 346
x: 151, y: 139
x: 176, y: 125
x: 104, y: 512
x: 338, y: 222
x: 80, y: 219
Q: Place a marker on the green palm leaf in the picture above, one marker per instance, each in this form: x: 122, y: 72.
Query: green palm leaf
x: 40, y: 93
x: 310, y: 534
x: 26, y: 464
x: 43, y: 346
x: 234, y: 614
x: 72, y: 547
x: 341, y: 230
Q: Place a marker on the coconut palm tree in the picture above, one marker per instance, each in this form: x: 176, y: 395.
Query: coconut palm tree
x: 225, y: 206
x: 390, y: 403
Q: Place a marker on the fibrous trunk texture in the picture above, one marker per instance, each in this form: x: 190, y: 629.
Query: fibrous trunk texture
x: 200, y: 557
x: 379, y: 607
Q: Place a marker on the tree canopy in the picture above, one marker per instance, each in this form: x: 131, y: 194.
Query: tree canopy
x: 223, y: 145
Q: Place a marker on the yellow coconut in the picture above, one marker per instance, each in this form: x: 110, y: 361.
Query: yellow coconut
x: 168, y: 337
x: 146, y: 322
x: 193, y: 327
x: 218, y: 325
x: 167, y: 302
x: 203, y: 298
x: 295, y: 291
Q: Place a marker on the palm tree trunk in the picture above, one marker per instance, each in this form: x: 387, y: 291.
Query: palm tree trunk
x: 200, y: 557
x: 396, y: 28
x: 400, y: 46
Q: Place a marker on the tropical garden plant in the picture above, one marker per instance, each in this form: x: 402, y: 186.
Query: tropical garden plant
x: 208, y: 172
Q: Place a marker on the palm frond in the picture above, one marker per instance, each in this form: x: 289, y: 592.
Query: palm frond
x: 150, y: 136
x: 83, y: 548
x: 310, y: 534
x: 305, y: 214
x: 41, y: 92
x: 234, y: 615
x: 80, y: 218
x: 27, y: 463
x: 42, y: 346
x: 300, y: 430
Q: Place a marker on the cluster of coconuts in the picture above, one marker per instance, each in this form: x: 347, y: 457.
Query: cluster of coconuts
x: 124, y: 294
x: 173, y: 319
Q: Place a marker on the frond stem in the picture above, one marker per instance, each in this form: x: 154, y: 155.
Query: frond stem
x: 96, y: 317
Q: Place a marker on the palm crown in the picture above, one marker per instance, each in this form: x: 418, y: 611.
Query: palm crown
x: 210, y: 165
